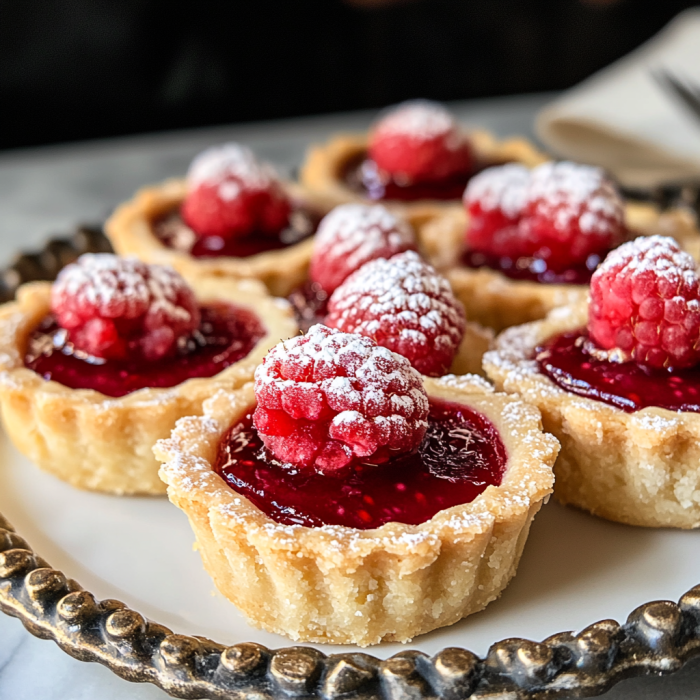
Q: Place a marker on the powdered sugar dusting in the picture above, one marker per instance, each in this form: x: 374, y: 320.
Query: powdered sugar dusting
x: 230, y: 166
x: 122, y: 287
x: 406, y: 305
x: 421, y: 119
x: 566, y: 191
x: 656, y: 254
x: 503, y: 187
x: 357, y: 231
x: 343, y: 396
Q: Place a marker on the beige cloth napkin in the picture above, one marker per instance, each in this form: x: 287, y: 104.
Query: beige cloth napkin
x: 621, y: 119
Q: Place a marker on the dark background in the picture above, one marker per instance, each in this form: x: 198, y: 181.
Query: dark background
x: 76, y: 69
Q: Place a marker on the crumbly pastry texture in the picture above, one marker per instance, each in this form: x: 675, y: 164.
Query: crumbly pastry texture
x: 100, y: 443
x: 322, y: 170
x: 496, y: 301
x: 637, y: 468
x: 340, y: 585
x: 130, y: 230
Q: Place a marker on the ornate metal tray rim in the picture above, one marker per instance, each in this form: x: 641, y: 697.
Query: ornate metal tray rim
x: 657, y: 638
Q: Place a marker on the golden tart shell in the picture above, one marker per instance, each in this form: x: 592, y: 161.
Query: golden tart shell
x: 130, y: 230
x: 325, y: 164
x: 637, y: 468
x: 101, y: 443
x: 341, y: 585
x: 496, y: 301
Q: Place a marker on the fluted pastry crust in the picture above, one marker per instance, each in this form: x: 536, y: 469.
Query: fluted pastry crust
x: 637, y: 468
x: 342, y: 585
x: 130, y: 230
x: 101, y: 443
x: 496, y: 301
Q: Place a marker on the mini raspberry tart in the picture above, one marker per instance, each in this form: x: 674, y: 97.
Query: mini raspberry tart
x: 618, y: 383
x: 416, y: 159
x: 231, y: 217
x: 346, y: 499
x: 98, y: 366
x: 528, y: 241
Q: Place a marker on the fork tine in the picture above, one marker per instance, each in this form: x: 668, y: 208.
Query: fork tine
x: 688, y: 94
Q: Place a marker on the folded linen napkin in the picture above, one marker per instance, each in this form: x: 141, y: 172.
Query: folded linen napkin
x: 621, y: 119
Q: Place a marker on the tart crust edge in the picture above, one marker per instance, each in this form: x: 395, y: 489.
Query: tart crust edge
x: 101, y: 443
x: 340, y: 585
x: 636, y: 468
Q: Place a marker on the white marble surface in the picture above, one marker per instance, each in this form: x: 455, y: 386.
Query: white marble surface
x: 45, y: 191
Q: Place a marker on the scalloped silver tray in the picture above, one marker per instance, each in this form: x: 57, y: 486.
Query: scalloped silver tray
x: 576, y: 568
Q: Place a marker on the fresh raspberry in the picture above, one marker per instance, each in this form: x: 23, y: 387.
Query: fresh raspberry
x: 573, y: 211
x: 565, y: 214
x: 118, y: 308
x: 645, y: 304
x: 350, y: 236
x: 494, y: 200
x: 231, y: 194
x: 327, y: 398
x: 420, y: 141
x: 406, y: 306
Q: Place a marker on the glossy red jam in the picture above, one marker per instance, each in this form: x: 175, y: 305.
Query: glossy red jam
x: 173, y: 232
x: 226, y: 334
x: 533, y: 269
x: 362, y: 175
x: 310, y: 304
x: 627, y: 385
x: 459, y: 457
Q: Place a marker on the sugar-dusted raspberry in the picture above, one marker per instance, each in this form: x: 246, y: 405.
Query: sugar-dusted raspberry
x: 406, y: 306
x: 420, y: 141
x: 495, y: 199
x: 565, y: 214
x: 231, y: 194
x: 350, y: 236
x: 327, y: 398
x: 645, y: 304
x: 573, y: 211
x: 118, y: 308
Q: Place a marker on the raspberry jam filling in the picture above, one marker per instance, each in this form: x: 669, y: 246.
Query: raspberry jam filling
x: 362, y: 175
x: 226, y: 334
x: 627, y: 385
x: 533, y: 269
x: 461, y: 454
x: 174, y: 233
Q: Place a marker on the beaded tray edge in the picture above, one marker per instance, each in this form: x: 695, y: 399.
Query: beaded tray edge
x: 657, y: 638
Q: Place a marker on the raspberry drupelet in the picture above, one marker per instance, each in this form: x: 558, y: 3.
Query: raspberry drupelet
x: 645, y: 304
x: 406, y: 306
x: 231, y: 195
x: 328, y: 398
x: 420, y: 141
x: 352, y: 235
x: 114, y: 308
x: 564, y: 214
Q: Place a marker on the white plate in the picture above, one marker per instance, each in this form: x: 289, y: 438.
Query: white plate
x: 576, y: 569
